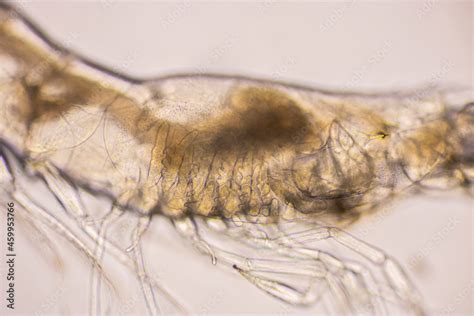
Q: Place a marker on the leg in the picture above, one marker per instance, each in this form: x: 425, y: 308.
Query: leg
x: 95, y: 299
x: 256, y: 270
x: 352, y: 284
x: 67, y: 196
x: 148, y: 293
x: 392, y: 271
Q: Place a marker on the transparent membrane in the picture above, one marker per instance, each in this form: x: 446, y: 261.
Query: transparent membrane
x: 263, y: 178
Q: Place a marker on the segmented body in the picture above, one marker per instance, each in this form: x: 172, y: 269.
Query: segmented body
x: 214, y: 146
x: 225, y: 147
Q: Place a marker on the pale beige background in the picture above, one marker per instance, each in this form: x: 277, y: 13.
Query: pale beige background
x: 354, y: 45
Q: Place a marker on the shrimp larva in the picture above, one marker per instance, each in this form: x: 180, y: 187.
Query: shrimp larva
x: 264, y: 178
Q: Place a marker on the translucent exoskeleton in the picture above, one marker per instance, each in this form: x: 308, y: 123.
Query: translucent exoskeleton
x: 259, y: 176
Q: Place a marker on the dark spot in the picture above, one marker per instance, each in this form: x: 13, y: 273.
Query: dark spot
x: 263, y: 118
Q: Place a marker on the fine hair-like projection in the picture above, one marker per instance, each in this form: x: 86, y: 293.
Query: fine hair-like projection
x: 275, y: 168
